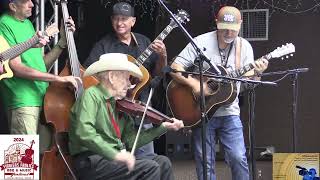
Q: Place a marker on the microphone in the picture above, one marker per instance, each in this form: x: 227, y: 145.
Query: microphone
x: 299, y: 70
x: 302, y: 168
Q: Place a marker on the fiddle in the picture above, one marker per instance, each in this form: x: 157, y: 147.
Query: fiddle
x: 137, y: 108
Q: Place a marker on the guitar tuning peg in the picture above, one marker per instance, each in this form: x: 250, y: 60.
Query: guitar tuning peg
x: 287, y: 56
x: 291, y: 55
x: 282, y: 58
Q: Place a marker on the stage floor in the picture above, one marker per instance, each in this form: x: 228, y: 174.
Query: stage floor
x: 186, y: 170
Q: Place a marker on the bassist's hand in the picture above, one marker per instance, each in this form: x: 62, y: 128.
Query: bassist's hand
x: 75, y: 81
x: 71, y: 27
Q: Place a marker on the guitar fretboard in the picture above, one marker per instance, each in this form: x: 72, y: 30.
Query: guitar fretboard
x: 240, y: 72
x: 18, y: 49
x: 146, y: 53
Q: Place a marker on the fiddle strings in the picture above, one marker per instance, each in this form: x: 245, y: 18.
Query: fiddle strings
x: 74, y: 62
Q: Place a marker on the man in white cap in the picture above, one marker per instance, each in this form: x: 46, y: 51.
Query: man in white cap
x: 100, y: 137
x: 224, y: 48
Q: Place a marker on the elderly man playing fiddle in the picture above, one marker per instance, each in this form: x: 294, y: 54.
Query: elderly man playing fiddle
x: 100, y: 136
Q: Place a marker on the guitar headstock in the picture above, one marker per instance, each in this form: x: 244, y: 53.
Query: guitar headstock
x: 51, y: 30
x: 182, y: 16
x: 287, y: 50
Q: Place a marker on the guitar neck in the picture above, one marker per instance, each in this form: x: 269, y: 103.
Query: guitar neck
x: 17, y: 49
x: 146, y: 53
x: 240, y: 72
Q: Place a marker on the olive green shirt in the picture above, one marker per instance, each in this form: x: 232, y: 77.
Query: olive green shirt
x: 91, y: 128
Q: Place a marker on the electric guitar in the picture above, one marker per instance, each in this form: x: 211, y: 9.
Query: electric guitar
x: 7, y: 52
x: 184, y: 103
x: 182, y: 16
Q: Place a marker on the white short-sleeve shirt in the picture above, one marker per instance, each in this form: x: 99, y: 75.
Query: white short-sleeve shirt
x: 209, y: 45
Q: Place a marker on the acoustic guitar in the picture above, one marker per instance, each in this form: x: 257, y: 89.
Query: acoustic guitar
x: 182, y: 16
x: 7, y: 52
x: 184, y: 104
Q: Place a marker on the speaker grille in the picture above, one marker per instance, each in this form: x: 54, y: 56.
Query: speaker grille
x: 255, y: 24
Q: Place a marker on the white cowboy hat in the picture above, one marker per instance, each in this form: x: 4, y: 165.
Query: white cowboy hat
x: 113, y: 62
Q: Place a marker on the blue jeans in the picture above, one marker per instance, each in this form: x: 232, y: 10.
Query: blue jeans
x: 228, y: 129
x: 146, y: 151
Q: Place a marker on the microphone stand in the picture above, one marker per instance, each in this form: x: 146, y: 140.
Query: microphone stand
x: 294, y: 110
x: 294, y: 76
x: 201, y: 57
x: 185, y: 73
x: 252, y: 140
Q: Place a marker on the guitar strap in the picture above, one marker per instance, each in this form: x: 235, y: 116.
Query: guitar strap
x: 238, y: 52
x: 136, y: 41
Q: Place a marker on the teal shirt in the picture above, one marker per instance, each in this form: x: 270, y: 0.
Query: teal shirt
x: 91, y: 128
x: 19, y: 92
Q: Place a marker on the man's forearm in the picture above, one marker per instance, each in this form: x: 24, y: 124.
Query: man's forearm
x: 22, y: 71
x: 181, y: 79
x: 53, y: 55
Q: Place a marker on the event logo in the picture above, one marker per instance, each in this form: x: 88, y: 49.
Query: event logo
x: 296, y: 166
x: 19, y: 157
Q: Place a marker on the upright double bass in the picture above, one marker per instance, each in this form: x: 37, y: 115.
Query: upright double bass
x: 58, y: 101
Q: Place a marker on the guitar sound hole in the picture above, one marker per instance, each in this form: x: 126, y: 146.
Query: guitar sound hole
x: 134, y: 80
